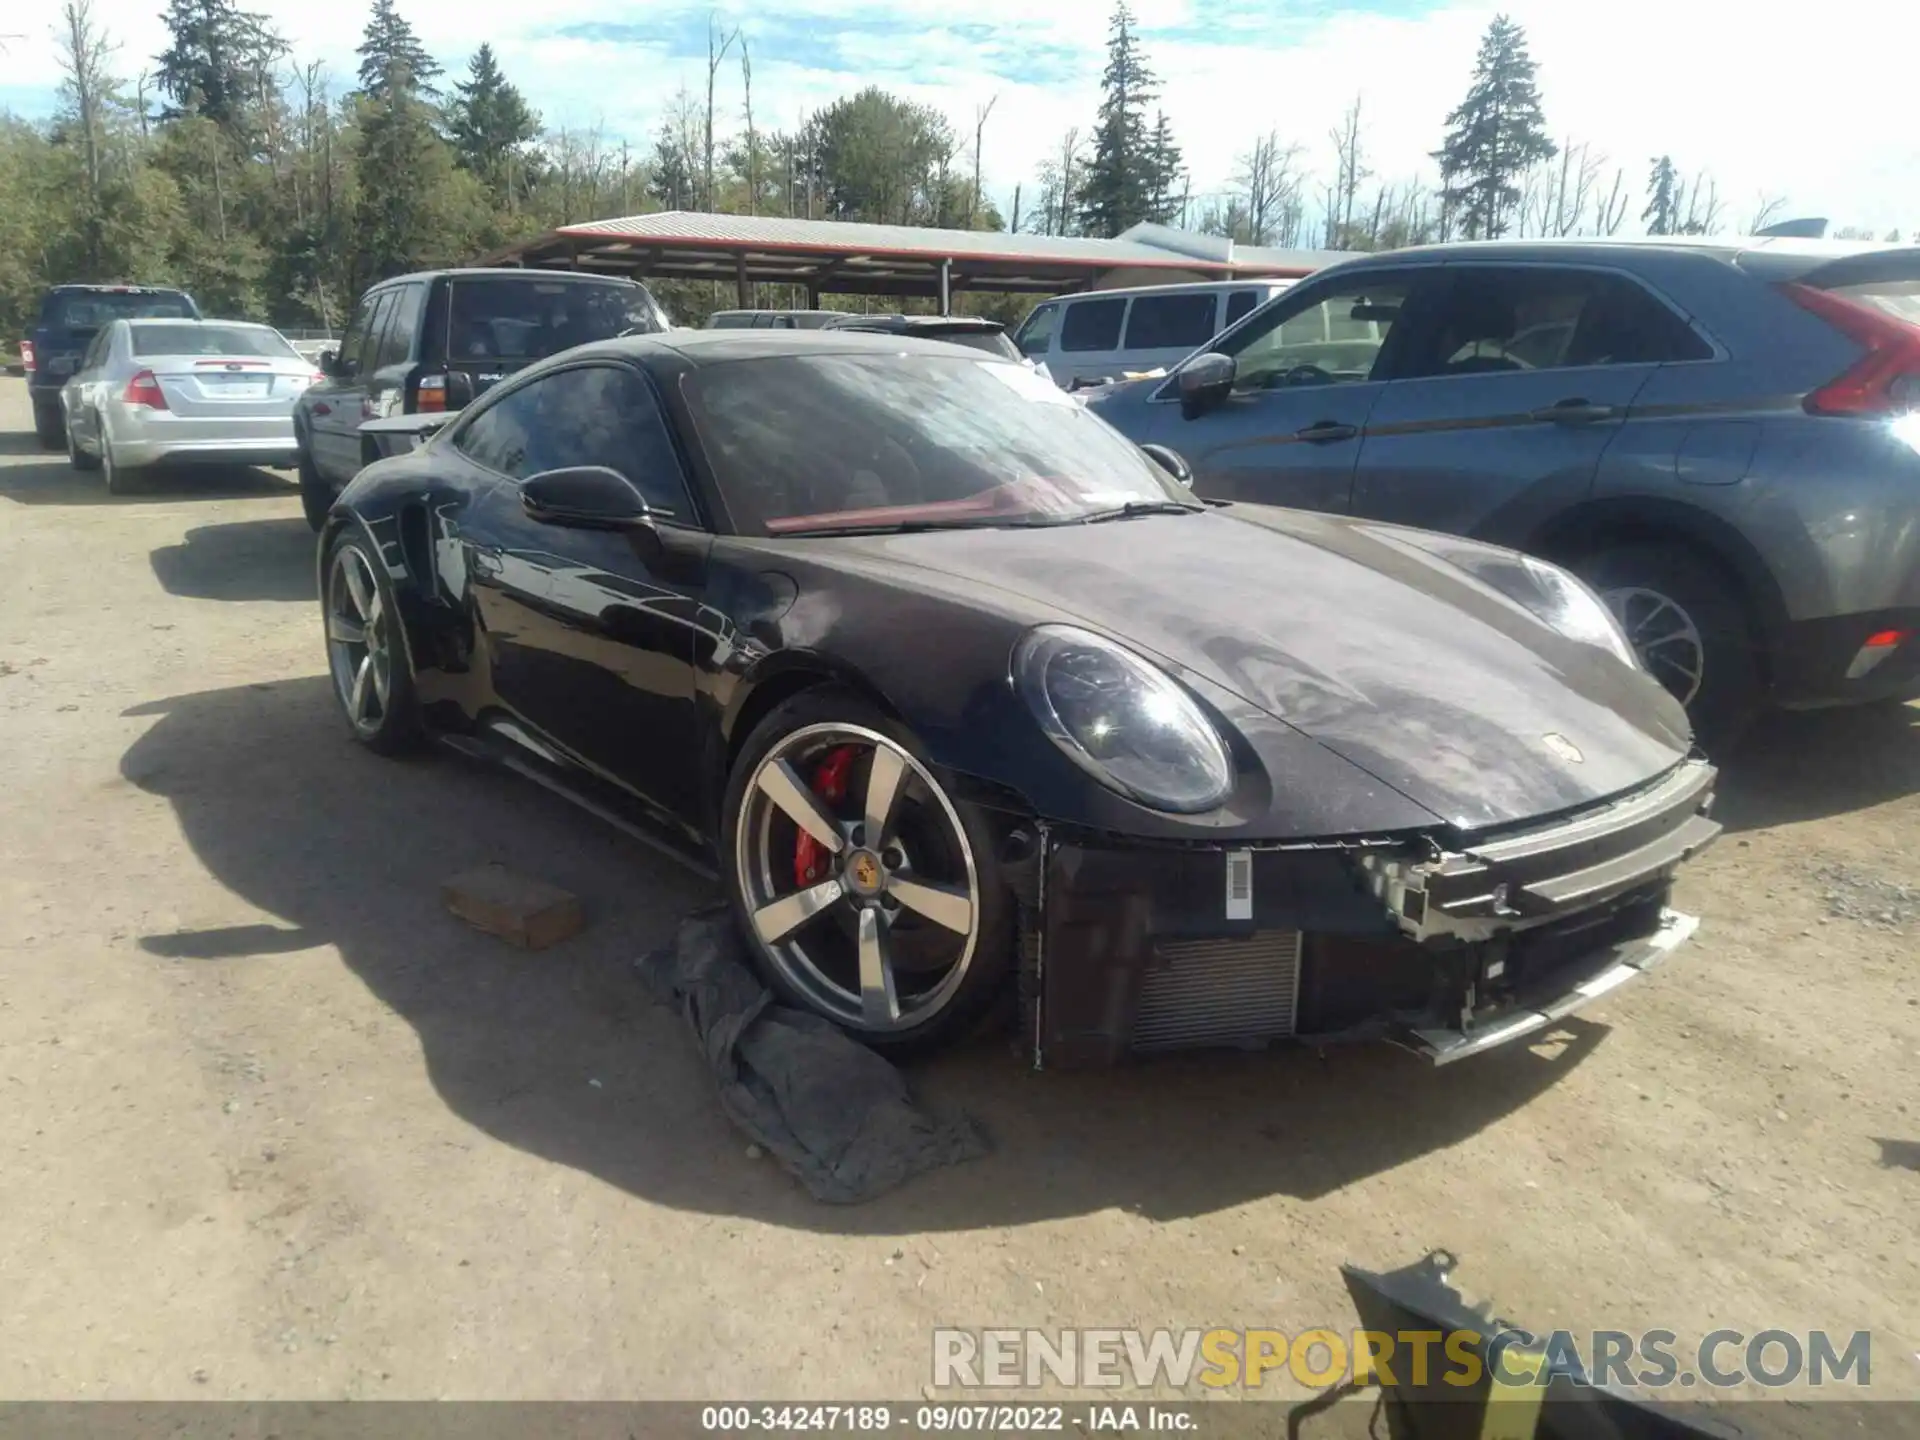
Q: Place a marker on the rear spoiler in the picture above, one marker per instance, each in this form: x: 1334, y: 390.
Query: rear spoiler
x: 397, y: 434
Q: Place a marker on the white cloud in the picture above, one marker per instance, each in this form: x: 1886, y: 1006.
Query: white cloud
x: 1818, y: 116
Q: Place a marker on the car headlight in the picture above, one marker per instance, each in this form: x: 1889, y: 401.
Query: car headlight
x: 1559, y: 599
x: 1122, y: 720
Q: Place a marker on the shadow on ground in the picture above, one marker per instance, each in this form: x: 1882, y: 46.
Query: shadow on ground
x: 54, y: 482
x: 1804, y: 765
x: 343, y: 849
x: 22, y: 442
x: 242, y: 560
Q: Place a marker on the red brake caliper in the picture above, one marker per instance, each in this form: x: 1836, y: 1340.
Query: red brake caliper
x: 830, y: 784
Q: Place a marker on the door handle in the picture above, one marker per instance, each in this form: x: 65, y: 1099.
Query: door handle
x: 1575, y: 412
x: 1323, y: 431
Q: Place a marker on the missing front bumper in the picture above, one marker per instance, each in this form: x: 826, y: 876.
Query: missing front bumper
x: 1136, y: 950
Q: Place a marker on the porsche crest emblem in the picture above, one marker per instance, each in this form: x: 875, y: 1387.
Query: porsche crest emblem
x: 864, y: 870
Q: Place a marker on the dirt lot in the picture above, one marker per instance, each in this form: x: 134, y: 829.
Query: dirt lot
x: 275, y: 1125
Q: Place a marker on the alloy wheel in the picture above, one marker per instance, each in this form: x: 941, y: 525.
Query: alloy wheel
x: 857, y: 877
x: 359, y: 640
x: 1663, y: 635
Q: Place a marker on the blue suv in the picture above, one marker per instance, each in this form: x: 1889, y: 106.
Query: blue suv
x: 70, y: 316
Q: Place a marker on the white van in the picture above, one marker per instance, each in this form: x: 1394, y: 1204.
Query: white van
x: 1101, y: 335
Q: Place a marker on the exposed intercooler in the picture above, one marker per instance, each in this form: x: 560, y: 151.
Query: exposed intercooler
x: 1241, y: 991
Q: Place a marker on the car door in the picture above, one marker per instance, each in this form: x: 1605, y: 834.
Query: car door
x: 334, y: 405
x: 1035, y: 337
x: 86, y: 392
x: 592, y: 638
x: 392, y: 369
x: 1308, y: 371
x: 1502, y: 406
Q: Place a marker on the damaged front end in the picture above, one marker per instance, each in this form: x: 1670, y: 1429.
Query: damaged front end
x: 1446, y: 944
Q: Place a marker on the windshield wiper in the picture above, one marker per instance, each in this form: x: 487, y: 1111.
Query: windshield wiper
x: 1133, y: 509
x: 916, y: 527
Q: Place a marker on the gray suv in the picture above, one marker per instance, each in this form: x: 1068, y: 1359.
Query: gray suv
x: 1721, y: 437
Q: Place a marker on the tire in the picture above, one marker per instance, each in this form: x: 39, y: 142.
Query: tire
x: 936, y: 851
x: 119, y: 479
x: 372, y: 678
x: 50, y: 424
x: 77, y: 457
x: 1671, y: 601
x: 315, y: 498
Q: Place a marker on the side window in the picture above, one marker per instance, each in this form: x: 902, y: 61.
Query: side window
x: 1035, y: 336
x: 356, y: 333
x: 396, y: 346
x: 594, y: 415
x: 1168, y: 322
x: 504, y: 435
x: 369, y: 352
x: 1240, y: 305
x: 607, y: 415
x: 1092, y: 325
x: 1499, y: 319
x: 1325, y: 337
x: 97, y: 351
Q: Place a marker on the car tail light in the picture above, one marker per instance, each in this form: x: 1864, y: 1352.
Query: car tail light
x: 1884, y: 381
x: 144, y: 389
x: 431, y: 395
x: 1878, y: 647
x: 26, y: 356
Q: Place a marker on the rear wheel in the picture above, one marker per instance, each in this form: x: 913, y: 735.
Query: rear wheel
x: 315, y: 498
x: 870, y: 896
x: 1688, y: 624
x: 49, y: 423
x: 366, y: 651
x: 119, y: 479
x: 76, y: 457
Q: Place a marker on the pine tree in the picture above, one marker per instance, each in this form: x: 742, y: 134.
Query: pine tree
x: 1663, y: 203
x: 488, y: 123
x: 400, y: 216
x: 219, y: 62
x: 1119, y: 179
x: 1166, y: 172
x: 391, y: 55
x: 1495, y: 135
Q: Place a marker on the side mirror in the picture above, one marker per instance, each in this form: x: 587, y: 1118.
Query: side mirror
x: 1170, y: 461
x: 1204, y: 382
x: 459, y: 389
x: 586, y: 497
x: 330, y: 363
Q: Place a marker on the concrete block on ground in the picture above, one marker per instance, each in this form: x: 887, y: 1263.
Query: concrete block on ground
x: 519, y: 909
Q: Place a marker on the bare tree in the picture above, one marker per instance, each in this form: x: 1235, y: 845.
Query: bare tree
x: 979, y: 130
x: 1610, y: 206
x: 1270, y: 179
x: 1698, y: 206
x: 717, y: 47
x: 1767, y: 210
x: 1556, y: 197
x: 1060, y: 180
x: 1350, y: 170
x: 85, y: 53
x: 753, y: 141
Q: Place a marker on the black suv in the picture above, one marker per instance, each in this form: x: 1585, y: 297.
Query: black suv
x: 971, y: 331
x: 434, y: 341
x: 70, y: 316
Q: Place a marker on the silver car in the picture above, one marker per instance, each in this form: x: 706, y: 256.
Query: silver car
x: 207, y: 392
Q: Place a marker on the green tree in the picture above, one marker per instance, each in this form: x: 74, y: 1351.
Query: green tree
x: 879, y: 158
x: 1662, y: 214
x: 490, y: 126
x: 1496, y: 133
x: 392, y: 57
x: 411, y: 209
x: 1118, y: 185
x: 219, y: 64
x: 1166, y: 173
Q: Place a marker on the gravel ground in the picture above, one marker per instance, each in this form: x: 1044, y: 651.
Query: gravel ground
x: 277, y: 1126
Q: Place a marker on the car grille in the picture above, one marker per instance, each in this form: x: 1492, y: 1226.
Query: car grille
x: 1234, y: 992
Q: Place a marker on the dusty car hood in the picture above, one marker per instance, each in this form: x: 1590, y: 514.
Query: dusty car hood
x: 1393, y: 659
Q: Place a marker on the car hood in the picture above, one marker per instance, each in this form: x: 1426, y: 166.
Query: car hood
x: 1349, y: 633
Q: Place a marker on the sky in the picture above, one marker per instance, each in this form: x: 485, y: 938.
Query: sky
x: 1816, y: 115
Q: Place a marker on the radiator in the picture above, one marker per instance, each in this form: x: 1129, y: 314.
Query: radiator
x: 1237, y: 992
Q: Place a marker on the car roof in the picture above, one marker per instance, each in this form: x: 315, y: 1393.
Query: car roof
x: 503, y: 272
x: 905, y: 324
x: 1782, y: 249
x: 81, y: 287
x: 141, y: 322
x: 714, y: 347
x: 1245, y: 282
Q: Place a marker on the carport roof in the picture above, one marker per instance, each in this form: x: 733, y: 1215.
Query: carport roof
x: 829, y: 255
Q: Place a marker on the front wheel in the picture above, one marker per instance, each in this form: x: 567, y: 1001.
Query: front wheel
x: 366, y: 651
x: 1687, y: 623
x: 870, y: 895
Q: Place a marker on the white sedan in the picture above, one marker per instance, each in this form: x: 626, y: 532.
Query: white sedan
x: 207, y: 392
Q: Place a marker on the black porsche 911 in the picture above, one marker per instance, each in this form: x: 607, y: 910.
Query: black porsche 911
x: 956, y: 687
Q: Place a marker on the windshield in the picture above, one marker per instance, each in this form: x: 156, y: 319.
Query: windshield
x: 210, y: 340
x: 993, y: 342
x: 92, y: 309
x: 846, y: 442
x: 519, y: 320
